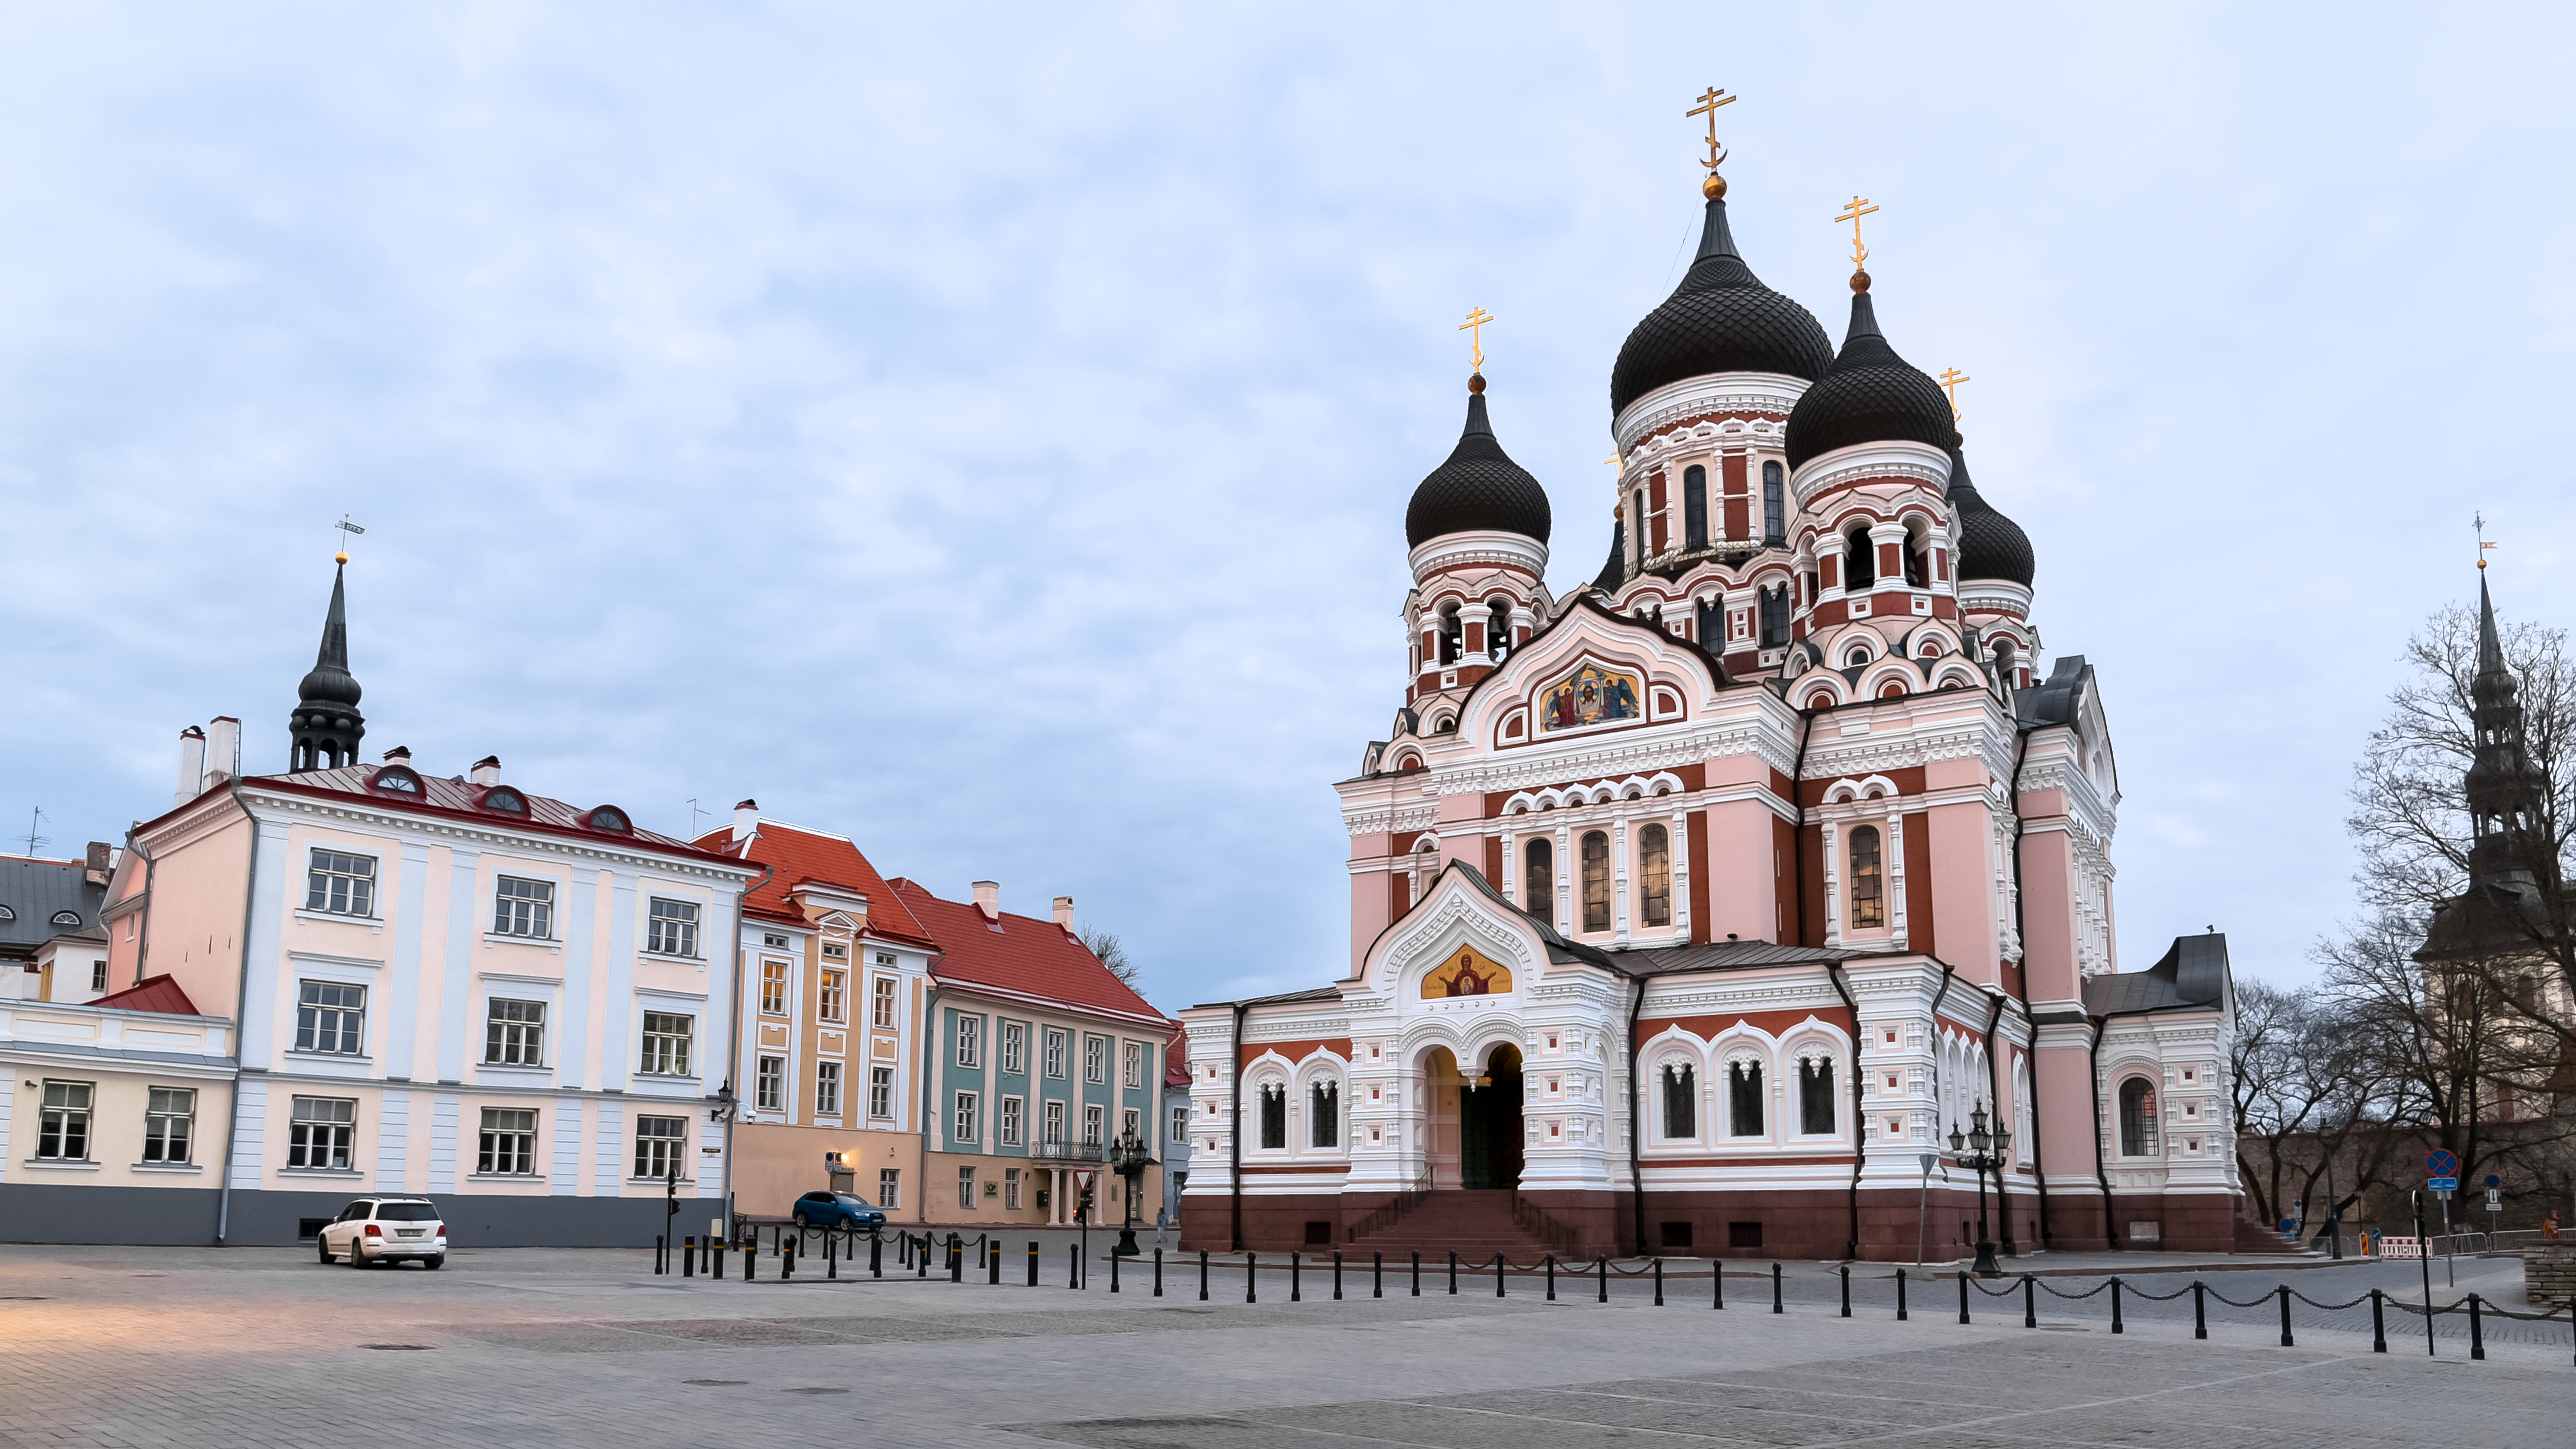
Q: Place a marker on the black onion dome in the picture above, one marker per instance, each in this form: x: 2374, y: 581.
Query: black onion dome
x: 1991, y: 546
x: 1720, y: 319
x: 330, y: 682
x: 1869, y: 395
x: 1480, y: 489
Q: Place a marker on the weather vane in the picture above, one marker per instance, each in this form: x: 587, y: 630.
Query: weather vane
x: 1474, y: 326
x: 2479, y: 521
x: 351, y: 529
x: 1950, y: 380
x: 1709, y: 100
x: 1858, y: 207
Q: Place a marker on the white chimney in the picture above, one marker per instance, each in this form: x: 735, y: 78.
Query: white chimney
x: 746, y: 820
x: 1064, y: 913
x: 223, y: 751
x: 486, y: 771
x: 988, y: 899
x: 398, y: 755
x: 192, y: 764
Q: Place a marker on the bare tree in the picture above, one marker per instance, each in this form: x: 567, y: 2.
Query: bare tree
x: 1106, y: 945
x: 2308, y: 1091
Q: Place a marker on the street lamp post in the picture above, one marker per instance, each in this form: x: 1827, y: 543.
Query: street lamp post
x: 1977, y: 1149
x: 1130, y: 1156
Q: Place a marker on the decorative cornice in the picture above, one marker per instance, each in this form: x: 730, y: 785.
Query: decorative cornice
x: 1896, y: 461
x: 1764, y: 394
x: 486, y: 837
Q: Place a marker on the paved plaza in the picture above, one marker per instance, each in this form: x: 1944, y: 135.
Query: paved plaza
x: 206, y: 1347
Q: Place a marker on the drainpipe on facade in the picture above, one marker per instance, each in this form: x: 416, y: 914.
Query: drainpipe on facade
x: 241, y: 1009
x: 143, y: 928
x: 1636, y: 1124
x: 1995, y: 1095
x: 2093, y: 1078
x: 1234, y: 1129
x: 930, y: 1058
x: 1860, y: 1128
x: 733, y: 1068
x: 2038, y: 1161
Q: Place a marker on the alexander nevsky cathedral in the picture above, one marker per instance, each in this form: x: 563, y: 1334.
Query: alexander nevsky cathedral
x: 1731, y: 902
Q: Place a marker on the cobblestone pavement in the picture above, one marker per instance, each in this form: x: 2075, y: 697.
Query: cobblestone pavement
x: 542, y: 1347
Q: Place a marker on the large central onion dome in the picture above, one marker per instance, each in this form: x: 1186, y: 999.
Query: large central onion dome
x: 1480, y: 489
x: 1720, y: 319
x: 1991, y: 546
x: 1869, y: 395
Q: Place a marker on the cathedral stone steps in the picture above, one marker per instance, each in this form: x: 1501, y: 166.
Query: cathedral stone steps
x: 1475, y: 1223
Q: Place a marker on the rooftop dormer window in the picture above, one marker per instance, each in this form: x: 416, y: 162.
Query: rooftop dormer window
x: 66, y: 918
x: 397, y: 778
x: 608, y: 818
x: 504, y: 799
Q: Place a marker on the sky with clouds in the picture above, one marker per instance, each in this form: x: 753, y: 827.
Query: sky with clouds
x: 987, y: 432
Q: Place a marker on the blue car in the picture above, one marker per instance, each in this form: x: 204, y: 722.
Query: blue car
x: 837, y: 1210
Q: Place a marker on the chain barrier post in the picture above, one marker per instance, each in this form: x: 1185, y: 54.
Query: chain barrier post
x: 1072, y: 1265
x: 1377, y: 1273
x: 1963, y: 1295
x: 787, y: 1260
x: 715, y: 1259
x: 993, y: 1265
x: 2029, y: 1301
x: 1659, y: 1282
x: 831, y: 1259
x: 1251, y: 1279
x: 1846, y: 1271
x: 956, y: 1259
x: 750, y: 1254
x: 2199, y: 1310
x: 689, y: 1256
x: 1113, y: 1272
x: 2378, y: 1322
x: 1203, y: 1265
x: 2285, y: 1317
x: 1417, y: 1272
x: 1498, y: 1275
x: 2116, y: 1325
x: 1603, y: 1267
x: 1900, y: 1295
x: 1551, y: 1277
x: 1337, y: 1275
x: 1158, y: 1272
x: 2477, y: 1332
x: 657, y: 1255
x: 1453, y: 1272
x: 1295, y: 1293
x: 921, y: 1258
x: 1717, y: 1283
x: 1775, y: 1289
x: 876, y: 1254
x: 1033, y: 1262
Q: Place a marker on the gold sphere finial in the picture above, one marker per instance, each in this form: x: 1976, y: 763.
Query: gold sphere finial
x: 339, y: 558
x: 1860, y: 281
x: 1714, y: 188
x: 1476, y: 382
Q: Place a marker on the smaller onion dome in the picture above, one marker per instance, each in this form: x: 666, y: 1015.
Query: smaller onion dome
x: 1991, y: 546
x: 1720, y: 319
x: 1869, y: 395
x: 1479, y: 489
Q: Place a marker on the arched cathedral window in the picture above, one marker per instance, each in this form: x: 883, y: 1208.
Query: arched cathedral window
x: 1596, y: 881
x: 1538, y: 878
x: 1695, y: 506
x: 1681, y: 1100
x: 1498, y: 631
x: 1918, y: 555
x: 1815, y: 1096
x: 1712, y: 624
x: 1868, y: 880
x: 1655, y: 869
x: 1775, y: 513
x: 1640, y: 515
x: 1775, y: 616
x: 2137, y: 1118
x: 1451, y: 635
x: 1860, y: 561
x: 1324, y: 1108
x: 1744, y: 1099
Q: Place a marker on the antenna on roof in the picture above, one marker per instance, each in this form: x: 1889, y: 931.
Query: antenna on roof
x: 33, y: 839
x: 694, y: 813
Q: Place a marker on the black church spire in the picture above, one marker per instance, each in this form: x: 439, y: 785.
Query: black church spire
x: 326, y: 726
x: 2503, y: 784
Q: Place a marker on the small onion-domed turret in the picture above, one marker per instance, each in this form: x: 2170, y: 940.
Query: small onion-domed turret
x: 1720, y: 319
x: 326, y: 726
x: 1869, y: 395
x: 1991, y: 546
x: 1479, y: 488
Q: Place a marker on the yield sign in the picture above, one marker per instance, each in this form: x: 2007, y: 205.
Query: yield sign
x: 2442, y: 1163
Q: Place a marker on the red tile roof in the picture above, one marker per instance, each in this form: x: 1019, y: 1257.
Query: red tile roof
x: 152, y: 993
x: 1019, y: 954
x: 796, y: 855
x: 459, y: 799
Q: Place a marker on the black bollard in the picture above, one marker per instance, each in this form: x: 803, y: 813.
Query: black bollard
x: 1113, y: 1272
x: 1717, y: 1283
x: 1453, y: 1272
x: 1377, y: 1274
x: 956, y: 1259
x: 1203, y: 1260
x: 1775, y: 1288
x: 1072, y: 1265
x: 2477, y: 1332
x: 2378, y: 1323
x: 2116, y: 1325
x: 876, y: 1255
x: 1251, y: 1279
x: 1033, y: 1262
x: 1602, y: 1266
x: 1900, y: 1295
x: 1337, y: 1275
x: 1963, y: 1296
x: 921, y: 1258
x: 750, y: 1254
x: 715, y: 1259
x: 2029, y: 1301
x: 1659, y: 1282
x: 1158, y: 1272
x: 1417, y: 1272
x: 1551, y: 1277
x: 2199, y: 1311
x: 1295, y: 1293
x: 2285, y: 1317
x: 786, y: 1260
x: 1846, y: 1290
x: 689, y: 1256
x: 1498, y: 1275
x: 658, y: 1269
x: 832, y: 1255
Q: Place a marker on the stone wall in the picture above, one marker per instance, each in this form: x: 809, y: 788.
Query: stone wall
x: 2549, y: 1272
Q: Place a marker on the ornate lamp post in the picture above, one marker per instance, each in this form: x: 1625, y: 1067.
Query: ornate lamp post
x: 1129, y: 1156
x: 1978, y: 1150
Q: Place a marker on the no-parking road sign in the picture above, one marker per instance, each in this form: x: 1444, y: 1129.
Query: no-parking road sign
x: 2441, y: 1162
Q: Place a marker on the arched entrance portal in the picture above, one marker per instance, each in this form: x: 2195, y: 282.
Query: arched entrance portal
x: 1489, y: 1122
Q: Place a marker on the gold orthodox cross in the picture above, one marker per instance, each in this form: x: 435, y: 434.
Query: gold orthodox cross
x: 1858, y: 207
x: 1709, y: 101
x: 1475, y: 327
x: 1621, y: 460
x: 1951, y: 380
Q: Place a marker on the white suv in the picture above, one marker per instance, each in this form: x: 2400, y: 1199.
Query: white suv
x: 375, y: 1230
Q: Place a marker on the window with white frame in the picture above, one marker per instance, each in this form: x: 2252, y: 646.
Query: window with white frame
x: 331, y: 1016
x: 514, y: 1033
x: 1180, y: 1124
x: 833, y: 1000
x: 340, y: 883
x: 774, y: 940
x: 885, y: 958
x: 773, y: 988
x: 1053, y: 1121
x: 672, y: 929
x: 881, y: 1091
x: 1055, y: 1054
x: 883, y: 1012
x: 317, y: 1136
x: 965, y: 1130
x: 769, y: 1085
x: 62, y: 1123
x: 661, y: 1146
x: 1094, y: 1118
x: 1012, y: 1109
x: 169, y: 1123
x: 827, y: 1089
x: 1131, y: 1123
x: 1095, y: 1058
x: 666, y: 1043
x: 970, y: 1041
x: 1015, y: 1048
x: 523, y: 908
x: 98, y: 976
x: 1681, y: 1099
x: 1132, y: 1064
x: 1011, y: 1188
x: 889, y: 1188
x: 1324, y: 1113
x: 966, y: 1189
x: 836, y: 950
x: 509, y: 1142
